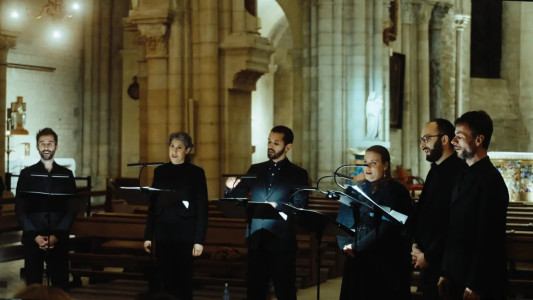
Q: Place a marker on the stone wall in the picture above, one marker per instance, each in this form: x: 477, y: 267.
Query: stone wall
x: 53, y: 95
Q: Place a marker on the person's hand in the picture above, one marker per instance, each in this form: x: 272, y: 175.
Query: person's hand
x: 197, y: 250
x: 470, y: 295
x: 232, y: 182
x: 418, y: 257
x: 444, y: 288
x: 42, y: 241
x: 348, y: 250
x: 52, y: 241
x: 148, y: 246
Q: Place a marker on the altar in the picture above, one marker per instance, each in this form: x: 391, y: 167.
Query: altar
x: 516, y: 169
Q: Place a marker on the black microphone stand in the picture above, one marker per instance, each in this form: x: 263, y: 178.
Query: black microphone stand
x: 151, y: 219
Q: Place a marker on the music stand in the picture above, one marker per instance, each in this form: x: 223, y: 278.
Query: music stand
x: 321, y: 225
x: 32, y: 199
x: 233, y: 207
x: 385, y: 210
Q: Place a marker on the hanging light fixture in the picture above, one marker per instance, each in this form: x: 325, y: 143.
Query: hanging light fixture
x: 57, y: 10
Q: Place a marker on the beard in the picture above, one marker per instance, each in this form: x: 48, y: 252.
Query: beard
x: 275, y: 155
x: 468, y: 152
x: 50, y: 155
x: 435, y: 153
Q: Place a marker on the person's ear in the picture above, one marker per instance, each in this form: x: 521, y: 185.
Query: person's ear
x: 288, y: 147
x: 445, y: 140
x: 188, y: 150
x: 479, y: 140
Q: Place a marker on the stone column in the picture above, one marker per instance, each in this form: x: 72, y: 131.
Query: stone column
x: 7, y: 40
x: 410, y: 102
x: 460, y: 23
x: 205, y: 91
x: 156, y: 102
x: 423, y: 15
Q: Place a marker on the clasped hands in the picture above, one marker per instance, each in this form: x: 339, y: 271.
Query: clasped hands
x: 197, y: 249
x: 46, y: 241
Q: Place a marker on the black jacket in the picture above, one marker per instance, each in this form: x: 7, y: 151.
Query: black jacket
x: 475, y: 255
x: 432, y: 213
x: 169, y: 219
x: 41, y: 194
x: 283, y: 190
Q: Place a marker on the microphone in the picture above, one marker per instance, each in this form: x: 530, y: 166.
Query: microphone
x: 241, y: 176
x: 360, y: 165
x: 145, y: 164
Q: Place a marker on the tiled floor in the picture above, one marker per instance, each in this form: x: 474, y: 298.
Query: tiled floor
x: 10, y: 282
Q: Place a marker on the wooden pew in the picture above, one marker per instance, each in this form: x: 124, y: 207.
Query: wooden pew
x: 520, y: 262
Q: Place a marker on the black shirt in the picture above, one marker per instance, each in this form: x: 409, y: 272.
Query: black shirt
x: 432, y: 212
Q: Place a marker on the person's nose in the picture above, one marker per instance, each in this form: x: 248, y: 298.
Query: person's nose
x: 454, y: 141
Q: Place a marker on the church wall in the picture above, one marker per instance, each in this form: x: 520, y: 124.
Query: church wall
x: 517, y: 69
x: 53, y: 96
x: 492, y: 95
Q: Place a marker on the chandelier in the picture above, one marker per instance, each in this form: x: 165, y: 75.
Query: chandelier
x: 56, y: 9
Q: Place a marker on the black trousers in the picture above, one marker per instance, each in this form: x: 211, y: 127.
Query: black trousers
x: 429, y: 277
x: 265, y: 265
x: 363, y: 279
x: 57, y: 264
x: 175, y: 263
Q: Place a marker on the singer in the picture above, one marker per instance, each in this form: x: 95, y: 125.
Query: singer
x: 177, y: 220
x: 44, y: 218
x: 377, y: 262
x: 272, y: 243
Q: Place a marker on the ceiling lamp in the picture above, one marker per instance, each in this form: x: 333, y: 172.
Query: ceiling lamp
x: 56, y: 9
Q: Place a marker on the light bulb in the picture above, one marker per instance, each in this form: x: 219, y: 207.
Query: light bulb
x: 15, y: 14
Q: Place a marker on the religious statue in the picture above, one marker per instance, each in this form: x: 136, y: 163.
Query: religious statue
x: 373, y: 115
x: 18, y: 116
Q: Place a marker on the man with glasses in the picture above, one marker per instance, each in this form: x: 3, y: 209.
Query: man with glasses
x: 431, y: 218
x: 475, y: 263
x: 44, y: 216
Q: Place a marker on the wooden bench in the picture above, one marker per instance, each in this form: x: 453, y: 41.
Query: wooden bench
x: 520, y: 262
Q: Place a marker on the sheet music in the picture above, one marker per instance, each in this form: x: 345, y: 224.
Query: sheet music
x: 396, y: 215
x: 136, y: 188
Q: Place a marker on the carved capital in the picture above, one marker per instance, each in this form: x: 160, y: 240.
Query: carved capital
x: 407, y: 10
x: 460, y: 22
x: 7, y: 40
x: 155, y: 37
x: 439, y: 15
x: 245, y: 80
x: 423, y: 12
x: 248, y: 57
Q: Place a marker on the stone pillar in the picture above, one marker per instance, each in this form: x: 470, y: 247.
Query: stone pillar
x: 423, y: 15
x: 460, y: 23
x: 7, y: 40
x: 205, y: 91
x: 436, y: 53
x: 156, y: 102
x: 410, y: 102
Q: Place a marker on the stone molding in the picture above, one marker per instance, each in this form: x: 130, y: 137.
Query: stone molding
x: 407, y: 13
x: 155, y: 37
x: 423, y: 11
x: 461, y: 21
x: 439, y: 15
x: 8, y: 39
x: 250, y: 58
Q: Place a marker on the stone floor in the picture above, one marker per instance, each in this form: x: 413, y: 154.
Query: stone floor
x: 10, y: 282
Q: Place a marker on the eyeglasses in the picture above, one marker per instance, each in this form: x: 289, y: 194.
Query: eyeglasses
x: 426, y: 138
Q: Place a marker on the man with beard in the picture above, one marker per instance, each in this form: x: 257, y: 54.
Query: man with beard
x: 431, y: 218
x: 44, y: 217
x: 272, y: 243
x: 474, y: 263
